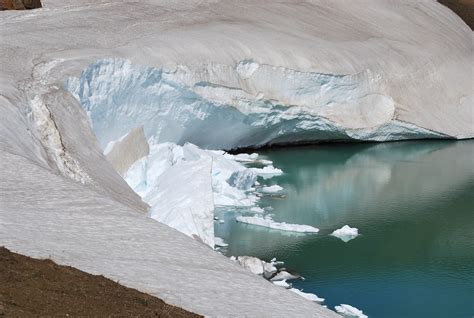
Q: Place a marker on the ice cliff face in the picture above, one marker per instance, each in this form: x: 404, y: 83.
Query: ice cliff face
x: 228, y: 106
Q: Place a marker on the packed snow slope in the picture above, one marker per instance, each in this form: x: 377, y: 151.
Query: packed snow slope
x: 230, y: 74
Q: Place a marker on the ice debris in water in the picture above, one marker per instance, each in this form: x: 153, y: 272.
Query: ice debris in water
x: 349, y: 311
x: 172, y: 179
x: 218, y: 241
x: 243, y: 179
x: 268, y: 222
x: 271, y: 189
x: 281, y: 283
x: 283, y: 274
x: 257, y: 209
x: 308, y: 296
x: 346, y: 233
x: 277, y: 276
x: 268, y: 171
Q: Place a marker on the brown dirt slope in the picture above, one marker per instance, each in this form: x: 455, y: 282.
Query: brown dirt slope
x: 31, y: 288
x: 19, y: 4
x: 463, y: 8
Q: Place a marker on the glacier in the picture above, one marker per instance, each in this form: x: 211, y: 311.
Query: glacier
x: 220, y: 75
x: 184, y: 105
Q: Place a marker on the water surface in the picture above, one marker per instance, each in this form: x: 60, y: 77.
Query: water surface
x: 413, y: 203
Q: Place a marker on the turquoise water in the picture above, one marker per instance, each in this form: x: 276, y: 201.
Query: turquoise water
x: 413, y: 203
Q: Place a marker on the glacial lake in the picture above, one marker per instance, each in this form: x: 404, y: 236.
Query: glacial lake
x: 413, y: 203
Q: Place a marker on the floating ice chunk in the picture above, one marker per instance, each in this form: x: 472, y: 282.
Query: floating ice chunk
x: 253, y: 264
x: 281, y: 283
x: 269, y: 223
x: 271, y: 189
x: 346, y: 233
x: 244, y: 157
x: 275, y: 262
x: 268, y: 171
x: 349, y: 311
x: 284, y: 275
x: 268, y: 270
x: 257, y: 209
x: 243, y: 179
x: 308, y: 296
x: 218, y: 241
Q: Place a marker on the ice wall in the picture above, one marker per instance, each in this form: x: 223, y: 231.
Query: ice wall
x: 221, y: 106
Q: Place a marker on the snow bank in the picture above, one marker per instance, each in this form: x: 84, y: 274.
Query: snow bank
x: 346, y: 233
x: 253, y: 264
x: 308, y: 296
x: 281, y: 283
x: 269, y: 223
x: 348, y: 311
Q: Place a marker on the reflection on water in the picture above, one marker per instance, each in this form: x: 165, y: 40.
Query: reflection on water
x: 413, y: 205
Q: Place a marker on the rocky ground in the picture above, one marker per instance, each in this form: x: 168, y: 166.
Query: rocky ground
x: 31, y: 287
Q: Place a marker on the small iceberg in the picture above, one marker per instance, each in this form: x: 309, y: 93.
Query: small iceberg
x: 271, y: 189
x: 282, y: 274
x: 218, y: 241
x: 350, y: 311
x: 308, y: 296
x: 257, y: 209
x: 282, y: 283
x: 346, y: 233
x: 268, y: 270
x: 269, y: 223
x: 268, y: 171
